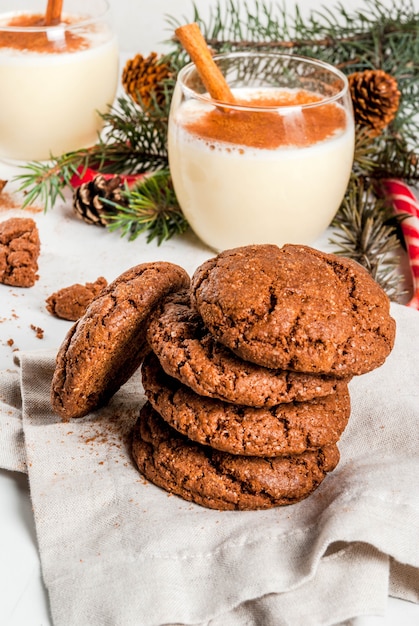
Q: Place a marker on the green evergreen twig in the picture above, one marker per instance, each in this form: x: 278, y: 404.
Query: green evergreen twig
x: 152, y: 208
x: 367, y: 231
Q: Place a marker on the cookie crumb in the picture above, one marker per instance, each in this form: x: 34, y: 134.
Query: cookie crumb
x: 39, y: 331
x: 70, y: 303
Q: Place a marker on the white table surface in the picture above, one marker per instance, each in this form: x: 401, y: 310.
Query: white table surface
x: 72, y: 251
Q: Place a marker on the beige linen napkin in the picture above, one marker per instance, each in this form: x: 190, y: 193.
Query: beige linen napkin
x: 12, y: 449
x: 118, y: 551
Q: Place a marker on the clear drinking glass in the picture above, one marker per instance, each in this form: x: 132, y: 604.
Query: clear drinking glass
x: 54, y: 79
x: 274, y: 166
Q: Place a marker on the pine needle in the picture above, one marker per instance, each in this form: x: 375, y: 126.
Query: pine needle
x: 366, y: 231
x: 152, y: 208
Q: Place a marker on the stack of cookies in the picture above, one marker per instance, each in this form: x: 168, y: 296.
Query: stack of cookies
x: 245, y: 367
x: 247, y: 378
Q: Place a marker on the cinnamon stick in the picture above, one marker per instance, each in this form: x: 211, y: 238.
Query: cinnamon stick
x: 53, y: 12
x: 193, y: 41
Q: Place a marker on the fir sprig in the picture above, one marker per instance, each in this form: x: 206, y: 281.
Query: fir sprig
x: 366, y: 231
x: 44, y: 182
x: 136, y: 137
x: 151, y: 206
x: 388, y: 155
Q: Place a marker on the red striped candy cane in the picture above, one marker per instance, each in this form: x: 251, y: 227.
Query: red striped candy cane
x: 404, y: 202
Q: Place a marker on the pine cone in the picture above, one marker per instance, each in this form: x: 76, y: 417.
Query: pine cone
x: 375, y: 98
x: 143, y: 78
x: 88, y: 199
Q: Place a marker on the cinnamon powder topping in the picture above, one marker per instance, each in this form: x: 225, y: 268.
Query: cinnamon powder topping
x: 270, y: 130
x: 38, y: 41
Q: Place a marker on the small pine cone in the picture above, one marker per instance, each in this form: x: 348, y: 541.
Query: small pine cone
x: 375, y: 98
x: 88, y: 199
x: 143, y: 79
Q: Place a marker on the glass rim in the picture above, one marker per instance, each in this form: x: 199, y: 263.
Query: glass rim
x: 88, y: 19
x: 187, y: 69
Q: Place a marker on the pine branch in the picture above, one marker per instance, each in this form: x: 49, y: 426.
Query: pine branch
x: 236, y: 26
x: 388, y: 155
x: 45, y: 182
x: 136, y: 138
x: 367, y: 233
x: 149, y: 207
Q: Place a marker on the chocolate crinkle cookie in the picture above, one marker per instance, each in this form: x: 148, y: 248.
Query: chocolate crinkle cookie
x: 295, y: 308
x: 187, y: 351
x: 19, y: 252
x: 287, y: 428
x: 70, y: 303
x: 105, y: 346
x: 218, y: 480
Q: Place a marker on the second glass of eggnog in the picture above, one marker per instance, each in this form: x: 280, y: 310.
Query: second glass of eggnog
x: 272, y: 167
x: 56, y: 78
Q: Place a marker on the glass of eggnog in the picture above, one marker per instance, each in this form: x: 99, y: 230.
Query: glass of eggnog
x: 273, y: 166
x: 55, y: 79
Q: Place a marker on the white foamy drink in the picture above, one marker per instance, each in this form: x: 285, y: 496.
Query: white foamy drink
x: 275, y: 176
x: 54, y: 84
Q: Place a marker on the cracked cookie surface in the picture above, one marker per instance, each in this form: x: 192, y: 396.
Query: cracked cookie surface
x: 108, y: 343
x: 295, y: 308
x: 188, y: 351
x: 288, y: 428
x: 219, y: 480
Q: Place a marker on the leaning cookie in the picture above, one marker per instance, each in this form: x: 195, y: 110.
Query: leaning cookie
x: 289, y: 428
x: 108, y: 343
x: 222, y: 481
x: 295, y: 308
x: 188, y: 351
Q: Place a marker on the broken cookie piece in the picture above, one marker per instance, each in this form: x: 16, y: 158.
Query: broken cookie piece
x: 70, y: 303
x: 19, y: 252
